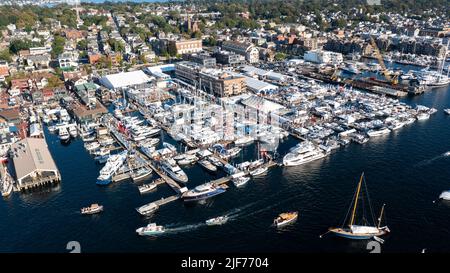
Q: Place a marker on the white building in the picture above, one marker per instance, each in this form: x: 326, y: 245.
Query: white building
x: 323, y: 57
x: 125, y: 79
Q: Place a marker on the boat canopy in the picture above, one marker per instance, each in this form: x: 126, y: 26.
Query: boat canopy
x: 363, y: 229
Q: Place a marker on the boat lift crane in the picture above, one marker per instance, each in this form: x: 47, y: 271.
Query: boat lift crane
x: 393, y: 80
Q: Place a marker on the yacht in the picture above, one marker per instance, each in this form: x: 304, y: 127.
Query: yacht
x: 73, y: 131
x: 423, y: 116
x: 91, y: 146
x: 304, y: 152
x: 207, y: 165
x: 202, y: 192
x: 111, y: 167
x: 171, y: 168
x: 147, y: 209
x: 379, y: 132
x: 141, y: 173
x: 243, y: 141
x: 445, y: 195
x: 150, y: 229
x: 64, y: 135
x: 6, y: 186
x: 188, y: 159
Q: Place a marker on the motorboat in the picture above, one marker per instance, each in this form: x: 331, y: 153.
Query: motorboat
x: 73, y: 131
x: 217, y: 221
x: 64, y: 136
x: 147, y: 187
x: 188, y: 159
x: 244, y: 140
x: 240, y: 179
x: 285, y: 218
x: 259, y: 171
x: 92, y: 209
x: 379, y: 132
x: 150, y: 229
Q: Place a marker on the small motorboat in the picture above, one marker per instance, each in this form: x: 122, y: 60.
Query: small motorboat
x: 147, y: 188
x: 150, y: 229
x: 93, y: 209
x: 447, y: 111
x: 445, y: 195
x: 217, y: 221
x: 259, y: 171
x: 285, y: 218
x: 240, y: 179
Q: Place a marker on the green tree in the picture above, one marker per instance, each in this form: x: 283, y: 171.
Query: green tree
x: 5, y: 55
x: 58, y: 45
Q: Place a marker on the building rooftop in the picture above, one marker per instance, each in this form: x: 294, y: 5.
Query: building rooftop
x: 31, y: 154
x: 125, y: 79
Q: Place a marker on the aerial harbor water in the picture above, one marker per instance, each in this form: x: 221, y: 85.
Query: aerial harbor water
x: 240, y: 127
x: 405, y: 169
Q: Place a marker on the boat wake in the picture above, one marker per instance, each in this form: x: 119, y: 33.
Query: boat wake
x: 429, y: 161
x: 184, y: 228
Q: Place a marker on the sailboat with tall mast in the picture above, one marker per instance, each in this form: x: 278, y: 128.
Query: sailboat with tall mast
x: 365, y: 230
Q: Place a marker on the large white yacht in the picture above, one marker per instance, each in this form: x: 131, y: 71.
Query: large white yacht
x: 112, y: 165
x: 173, y: 170
x: 302, y: 153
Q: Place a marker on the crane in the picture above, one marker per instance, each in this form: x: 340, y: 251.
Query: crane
x: 392, y: 80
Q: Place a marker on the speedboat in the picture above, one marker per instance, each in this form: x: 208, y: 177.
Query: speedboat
x: 92, y: 209
x: 240, y: 179
x: 445, y: 195
x: 64, y: 135
x: 207, y: 165
x: 447, y: 111
x: 202, y: 192
x: 147, y: 188
x: 303, y: 153
x: 171, y: 168
x: 217, y: 221
x: 285, y: 218
x: 150, y: 229
x: 111, y: 167
x: 91, y: 146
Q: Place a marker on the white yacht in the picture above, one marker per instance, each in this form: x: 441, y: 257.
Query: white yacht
x: 304, y: 152
x: 244, y: 140
x: 111, y: 167
x: 171, y: 168
x: 64, y: 135
x: 240, y: 179
x: 73, y: 131
x: 147, y: 209
x: 379, y: 132
x: 423, y: 116
x: 259, y: 171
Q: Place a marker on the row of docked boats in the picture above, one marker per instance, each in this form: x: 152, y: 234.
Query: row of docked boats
x: 113, y: 164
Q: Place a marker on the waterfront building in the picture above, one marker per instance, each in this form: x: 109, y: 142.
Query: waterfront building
x: 248, y: 50
x: 33, y: 164
x: 322, y: 56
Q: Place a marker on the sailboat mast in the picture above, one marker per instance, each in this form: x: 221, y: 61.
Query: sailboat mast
x: 381, y: 216
x: 356, y: 200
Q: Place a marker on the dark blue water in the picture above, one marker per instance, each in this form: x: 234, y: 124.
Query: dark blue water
x: 405, y: 170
